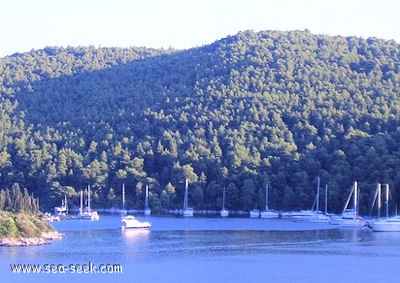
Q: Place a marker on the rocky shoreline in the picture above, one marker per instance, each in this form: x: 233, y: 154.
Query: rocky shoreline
x: 35, y: 241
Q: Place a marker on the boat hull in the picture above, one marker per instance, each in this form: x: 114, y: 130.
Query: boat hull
x: 130, y: 222
x: 255, y: 213
x: 387, y: 225
x: 188, y: 212
x: 269, y: 214
x: 93, y: 216
x: 147, y: 212
x: 224, y: 213
x: 348, y: 222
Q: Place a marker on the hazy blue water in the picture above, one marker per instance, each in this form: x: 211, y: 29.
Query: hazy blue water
x: 213, y: 250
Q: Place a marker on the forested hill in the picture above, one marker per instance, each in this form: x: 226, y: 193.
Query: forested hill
x: 271, y: 107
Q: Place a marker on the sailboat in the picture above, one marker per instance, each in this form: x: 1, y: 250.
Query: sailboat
x: 349, y: 216
x: 147, y: 210
x: 87, y: 212
x: 378, y: 200
x: 223, y: 212
x: 187, y: 211
x: 317, y: 215
x: 268, y: 213
x: 61, y: 211
x: 389, y: 224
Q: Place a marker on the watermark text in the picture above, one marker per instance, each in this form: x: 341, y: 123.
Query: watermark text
x: 68, y: 268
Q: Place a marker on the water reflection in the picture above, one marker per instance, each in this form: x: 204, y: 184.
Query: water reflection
x: 135, y: 235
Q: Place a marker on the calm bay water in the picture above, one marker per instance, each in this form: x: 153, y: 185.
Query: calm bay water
x: 212, y: 250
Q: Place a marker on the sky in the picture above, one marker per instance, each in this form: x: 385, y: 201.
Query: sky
x: 183, y: 24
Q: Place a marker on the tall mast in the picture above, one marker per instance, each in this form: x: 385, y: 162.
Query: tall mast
x: 266, y: 197
x: 326, y: 199
x: 387, y: 201
x: 81, y: 204
x: 223, y: 199
x: 379, y: 199
x: 123, y: 196
x: 355, y: 198
x: 146, y: 200
x: 317, y: 207
x: 185, y: 200
x: 89, y: 197
x: 66, y: 204
x: 348, y: 199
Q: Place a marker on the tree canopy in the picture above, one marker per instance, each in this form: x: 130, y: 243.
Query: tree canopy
x: 270, y: 107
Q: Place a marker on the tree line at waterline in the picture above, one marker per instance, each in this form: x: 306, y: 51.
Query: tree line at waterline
x: 250, y: 109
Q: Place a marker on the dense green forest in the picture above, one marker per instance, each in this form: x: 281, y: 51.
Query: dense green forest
x: 270, y: 107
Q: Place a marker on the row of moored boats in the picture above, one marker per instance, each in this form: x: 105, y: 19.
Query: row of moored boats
x: 348, y: 218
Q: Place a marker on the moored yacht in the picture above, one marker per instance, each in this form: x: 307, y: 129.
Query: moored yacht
x: 87, y: 212
x: 350, y: 217
x: 223, y: 212
x: 268, y: 213
x: 130, y: 222
x: 319, y: 216
x: 61, y: 212
x: 389, y: 224
x: 187, y: 211
x: 254, y: 213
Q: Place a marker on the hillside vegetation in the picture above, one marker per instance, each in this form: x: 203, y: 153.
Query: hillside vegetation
x: 271, y: 107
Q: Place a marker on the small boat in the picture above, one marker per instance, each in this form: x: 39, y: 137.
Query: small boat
x: 52, y: 218
x: 350, y: 217
x: 87, y: 212
x: 268, y: 213
x: 130, y: 222
x: 254, y: 213
x: 223, y: 212
x: 187, y: 211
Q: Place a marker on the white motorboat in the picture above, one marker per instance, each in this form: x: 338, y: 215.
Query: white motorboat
x: 130, y: 222
x: 268, y: 213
